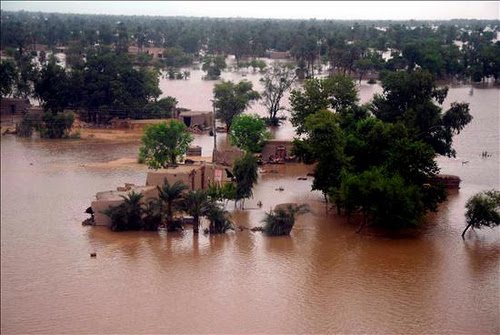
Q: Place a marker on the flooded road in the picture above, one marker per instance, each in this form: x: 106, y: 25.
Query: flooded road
x: 324, y: 278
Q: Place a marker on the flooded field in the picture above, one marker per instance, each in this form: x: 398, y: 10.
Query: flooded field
x: 324, y: 278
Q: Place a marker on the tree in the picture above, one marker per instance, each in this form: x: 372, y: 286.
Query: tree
x: 483, y: 210
x: 282, y: 219
x: 276, y: 82
x: 324, y: 144
x: 127, y: 215
x: 338, y: 93
x: 383, y: 197
x: 410, y: 98
x: 248, y: 132
x: 245, y: 172
x: 161, y: 109
x: 213, y: 66
x: 232, y: 99
x: 53, y: 87
x: 171, y: 196
x: 163, y: 143
x: 195, y: 203
x: 56, y: 125
x: 8, y: 77
x: 218, y: 218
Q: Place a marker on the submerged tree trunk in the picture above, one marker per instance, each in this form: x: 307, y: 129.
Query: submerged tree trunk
x: 196, y: 224
x: 465, y: 230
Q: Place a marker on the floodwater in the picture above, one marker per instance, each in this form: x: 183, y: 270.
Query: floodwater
x: 324, y: 278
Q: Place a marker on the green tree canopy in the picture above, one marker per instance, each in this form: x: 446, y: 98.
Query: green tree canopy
x: 8, y: 77
x: 410, y: 98
x: 248, y: 132
x: 338, y: 93
x: 245, y: 171
x: 483, y: 210
x: 232, y: 99
x: 163, y: 143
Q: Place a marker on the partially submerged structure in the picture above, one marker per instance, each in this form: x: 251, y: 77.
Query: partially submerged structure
x: 277, y: 151
x: 196, y: 176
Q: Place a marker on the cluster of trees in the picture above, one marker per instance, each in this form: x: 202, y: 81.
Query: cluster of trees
x: 348, y: 46
x: 103, y: 85
x: 378, y: 159
x: 136, y: 213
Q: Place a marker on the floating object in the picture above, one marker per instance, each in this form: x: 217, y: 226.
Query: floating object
x: 464, y: 162
x: 280, y: 189
x: 259, y: 203
x: 302, y: 178
x: 93, y: 254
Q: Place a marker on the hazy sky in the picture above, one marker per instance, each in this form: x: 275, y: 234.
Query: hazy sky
x: 363, y: 10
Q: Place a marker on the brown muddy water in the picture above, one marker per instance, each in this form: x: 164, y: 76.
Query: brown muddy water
x: 324, y: 278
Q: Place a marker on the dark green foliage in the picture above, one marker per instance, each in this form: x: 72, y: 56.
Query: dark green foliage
x: 245, y: 171
x: 213, y: 66
x: 195, y: 204
x: 163, y: 143
x: 8, y: 77
x: 337, y: 93
x: 53, y: 87
x: 282, y: 219
x: 410, y: 98
x: 232, y: 99
x: 56, y: 125
x: 127, y: 215
x: 161, y: 109
x: 483, y: 210
x: 380, y: 165
x: 249, y: 133
x: 219, y: 220
x: 153, y: 215
x: 171, y: 196
x: 384, y: 198
x: 25, y: 127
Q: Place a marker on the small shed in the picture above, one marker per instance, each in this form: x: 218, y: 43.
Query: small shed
x: 196, y: 118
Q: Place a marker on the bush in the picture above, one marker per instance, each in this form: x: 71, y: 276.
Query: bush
x: 56, y: 125
x: 25, y: 128
x: 282, y: 219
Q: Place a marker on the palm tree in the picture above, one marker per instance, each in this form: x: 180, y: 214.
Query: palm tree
x: 219, y: 222
x: 282, y: 219
x: 170, y: 195
x: 195, y: 203
x: 154, y: 214
x: 127, y: 215
x: 245, y: 171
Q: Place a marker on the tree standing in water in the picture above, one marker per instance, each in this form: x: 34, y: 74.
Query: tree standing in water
x: 483, y: 210
x: 278, y: 79
x: 232, y: 99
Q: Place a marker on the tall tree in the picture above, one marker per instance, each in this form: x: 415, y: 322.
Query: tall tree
x: 171, y: 196
x: 245, y: 171
x: 232, y: 99
x: 277, y: 80
x: 248, y: 132
x: 483, y: 210
x: 163, y: 143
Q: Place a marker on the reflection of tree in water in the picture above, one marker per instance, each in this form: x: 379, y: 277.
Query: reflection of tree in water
x: 483, y: 254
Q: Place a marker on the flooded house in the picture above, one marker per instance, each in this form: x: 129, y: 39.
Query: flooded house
x: 196, y: 118
x: 197, y: 176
